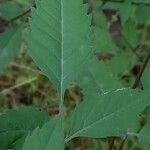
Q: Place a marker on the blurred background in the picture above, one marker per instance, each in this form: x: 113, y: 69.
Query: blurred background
x: 121, y: 45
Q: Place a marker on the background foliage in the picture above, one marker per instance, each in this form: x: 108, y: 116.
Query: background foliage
x: 121, y: 48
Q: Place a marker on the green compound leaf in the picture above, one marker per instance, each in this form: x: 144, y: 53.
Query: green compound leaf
x: 16, y: 124
x: 103, y: 42
x: 130, y: 34
x: 49, y: 137
x: 59, y: 39
x: 144, y: 137
x: 144, y: 17
x: 111, y: 114
x: 10, y: 42
x: 105, y: 76
x: 126, y: 11
x: 10, y: 10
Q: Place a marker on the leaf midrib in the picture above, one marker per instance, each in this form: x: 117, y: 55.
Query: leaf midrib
x: 62, y: 69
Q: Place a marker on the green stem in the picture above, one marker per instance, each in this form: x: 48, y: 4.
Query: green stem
x: 26, y: 68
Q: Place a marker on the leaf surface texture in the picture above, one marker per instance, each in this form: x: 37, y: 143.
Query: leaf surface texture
x: 16, y: 124
x: 110, y: 114
x: 59, y: 39
x: 49, y: 137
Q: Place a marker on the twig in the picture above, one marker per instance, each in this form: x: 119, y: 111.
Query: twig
x: 122, y: 143
x: 112, y: 143
x: 141, y: 71
x: 135, y: 85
